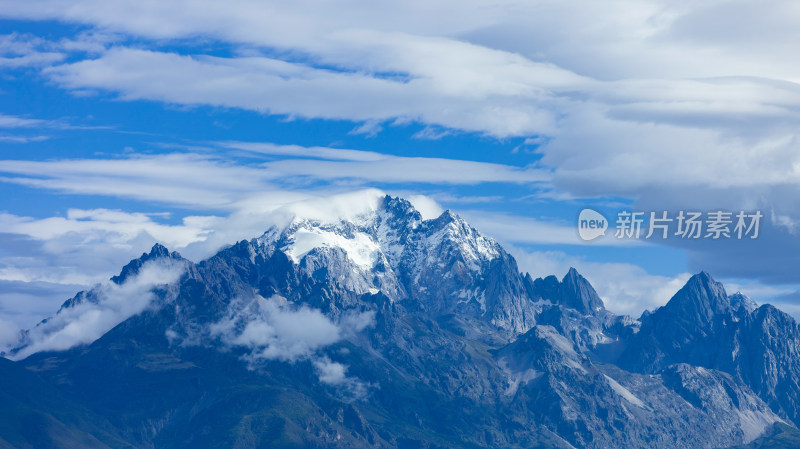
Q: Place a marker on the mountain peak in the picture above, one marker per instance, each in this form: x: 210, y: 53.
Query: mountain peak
x: 449, y: 215
x: 703, y: 276
x: 741, y: 302
x: 445, y: 218
x: 576, y: 292
x: 698, y: 301
x: 573, y: 291
x: 708, y: 291
x: 400, y: 207
x: 158, y: 251
x: 572, y: 273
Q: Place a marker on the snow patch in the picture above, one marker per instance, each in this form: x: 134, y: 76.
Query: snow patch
x: 360, y: 249
x: 753, y: 424
x: 624, y: 392
x: 515, y: 379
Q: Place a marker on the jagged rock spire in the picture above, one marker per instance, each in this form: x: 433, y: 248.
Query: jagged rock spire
x: 576, y: 292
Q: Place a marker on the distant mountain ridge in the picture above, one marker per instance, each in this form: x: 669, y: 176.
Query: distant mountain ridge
x: 387, y: 330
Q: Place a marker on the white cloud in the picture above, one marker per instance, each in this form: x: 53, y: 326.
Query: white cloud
x: 501, y: 68
x: 12, y: 121
x: 25, y: 51
x: 113, y: 227
x: 298, y: 151
x: 621, y: 39
x: 335, y: 374
x: 393, y: 170
x: 206, y: 182
x: 329, y: 372
x: 478, y: 101
x: 111, y: 304
x: 603, y: 137
x: 651, y: 39
x: 23, y: 126
x: 659, y: 102
x: 627, y: 156
x: 756, y: 291
x: 274, y: 329
x: 23, y: 139
x: 177, y: 178
x: 88, y: 246
x: 426, y: 206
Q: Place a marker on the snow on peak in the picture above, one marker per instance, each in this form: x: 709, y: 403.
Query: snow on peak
x: 361, y: 249
x: 387, y: 231
x: 740, y: 301
x: 473, y: 247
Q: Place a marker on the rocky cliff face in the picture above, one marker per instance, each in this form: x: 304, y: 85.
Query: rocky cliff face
x: 387, y: 330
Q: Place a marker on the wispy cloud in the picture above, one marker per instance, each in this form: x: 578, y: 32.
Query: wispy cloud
x: 411, y: 170
x: 274, y: 86
x: 89, y: 320
x: 84, y: 247
x: 11, y: 121
x: 23, y: 139
x: 298, y: 151
x: 107, y: 223
x: 184, y: 179
x: 376, y: 167
x: 24, y: 127
x: 209, y: 182
x: 18, y: 50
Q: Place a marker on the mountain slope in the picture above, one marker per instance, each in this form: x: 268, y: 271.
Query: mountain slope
x: 34, y: 414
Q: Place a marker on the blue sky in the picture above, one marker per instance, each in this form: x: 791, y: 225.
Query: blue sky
x: 125, y: 123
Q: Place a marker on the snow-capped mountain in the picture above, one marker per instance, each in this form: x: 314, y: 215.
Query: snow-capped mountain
x: 387, y: 330
x: 442, y: 265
